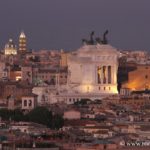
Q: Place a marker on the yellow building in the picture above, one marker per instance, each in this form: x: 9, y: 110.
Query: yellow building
x: 10, y: 48
x: 138, y: 79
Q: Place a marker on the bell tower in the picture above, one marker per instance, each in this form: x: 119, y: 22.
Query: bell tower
x: 22, y: 43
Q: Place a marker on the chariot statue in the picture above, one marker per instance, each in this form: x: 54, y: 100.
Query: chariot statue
x: 97, y: 40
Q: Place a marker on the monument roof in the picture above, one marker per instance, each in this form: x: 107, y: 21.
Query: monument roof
x: 102, y: 48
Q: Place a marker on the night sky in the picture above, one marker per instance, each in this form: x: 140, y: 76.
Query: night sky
x: 61, y: 24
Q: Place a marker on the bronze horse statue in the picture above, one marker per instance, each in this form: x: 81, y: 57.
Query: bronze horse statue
x: 97, y: 40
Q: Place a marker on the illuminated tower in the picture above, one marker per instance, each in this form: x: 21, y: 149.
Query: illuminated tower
x: 22, y: 42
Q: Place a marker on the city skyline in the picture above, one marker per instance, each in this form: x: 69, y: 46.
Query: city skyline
x: 74, y: 74
x: 63, y: 25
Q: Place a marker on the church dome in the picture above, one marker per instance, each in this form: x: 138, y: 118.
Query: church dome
x: 10, y: 44
x: 10, y: 48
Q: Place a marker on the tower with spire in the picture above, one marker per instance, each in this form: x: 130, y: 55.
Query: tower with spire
x: 22, y: 42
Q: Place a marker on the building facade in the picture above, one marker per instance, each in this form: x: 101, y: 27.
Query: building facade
x: 138, y: 79
x: 93, y: 69
x: 92, y: 74
x: 29, y: 102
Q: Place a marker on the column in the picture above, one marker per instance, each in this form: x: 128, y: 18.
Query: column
x: 101, y: 78
x: 115, y: 74
x: 109, y: 74
x: 106, y: 74
x: 98, y: 74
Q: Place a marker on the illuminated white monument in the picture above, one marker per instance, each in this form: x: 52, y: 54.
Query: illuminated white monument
x: 93, y: 69
x: 92, y: 72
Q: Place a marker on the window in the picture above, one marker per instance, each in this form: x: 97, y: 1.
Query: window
x: 99, y: 88
x: 146, y: 76
x: 109, y: 88
x: 25, y: 103
x: 30, y: 103
x: 104, y: 88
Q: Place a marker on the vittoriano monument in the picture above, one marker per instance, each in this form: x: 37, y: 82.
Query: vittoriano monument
x: 98, y: 40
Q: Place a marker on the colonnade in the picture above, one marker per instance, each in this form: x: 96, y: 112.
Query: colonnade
x: 105, y: 75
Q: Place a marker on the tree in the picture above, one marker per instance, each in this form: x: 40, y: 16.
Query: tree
x: 40, y: 115
x: 18, y: 115
x: 57, y: 121
x: 5, y: 114
x: 15, y: 115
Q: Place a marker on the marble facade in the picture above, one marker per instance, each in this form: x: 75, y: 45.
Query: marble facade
x: 93, y: 69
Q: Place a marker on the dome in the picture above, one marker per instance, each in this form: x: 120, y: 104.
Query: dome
x: 10, y: 40
x: 10, y: 48
x: 10, y: 44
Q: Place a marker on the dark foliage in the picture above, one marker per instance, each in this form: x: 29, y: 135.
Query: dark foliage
x: 39, y: 115
x: 83, y: 102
